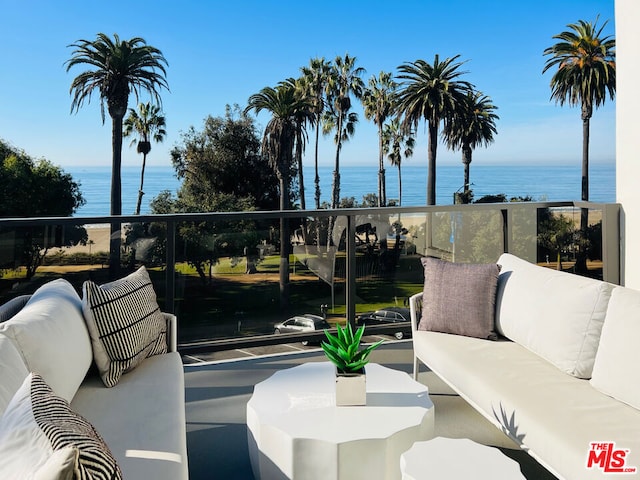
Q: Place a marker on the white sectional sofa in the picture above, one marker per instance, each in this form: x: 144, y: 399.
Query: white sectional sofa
x: 141, y: 419
x: 563, y: 378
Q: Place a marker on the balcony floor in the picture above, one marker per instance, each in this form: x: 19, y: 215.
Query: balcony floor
x: 218, y: 386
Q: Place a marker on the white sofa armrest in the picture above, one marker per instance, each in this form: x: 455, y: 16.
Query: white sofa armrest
x: 172, y: 332
x: 415, y: 309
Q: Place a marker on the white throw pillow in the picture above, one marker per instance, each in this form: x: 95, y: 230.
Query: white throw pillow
x: 616, y: 371
x: 125, y: 324
x: 554, y: 314
x: 43, y: 439
x: 52, y: 337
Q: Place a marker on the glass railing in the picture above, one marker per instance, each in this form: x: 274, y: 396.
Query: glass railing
x: 229, y: 282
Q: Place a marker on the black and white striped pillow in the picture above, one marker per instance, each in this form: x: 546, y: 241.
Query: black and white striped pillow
x: 41, y: 437
x: 125, y: 324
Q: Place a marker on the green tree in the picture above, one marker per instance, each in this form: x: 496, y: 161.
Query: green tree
x: 116, y: 68
x: 37, y: 188
x: 473, y: 125
x: 284, y: 104
x: 585, y: 74
x: 315, y: 78
x: 395, y: 140
x: 379, y: 101
x: 148, y: 125
x: 344, y: 81
x: 431, y: 92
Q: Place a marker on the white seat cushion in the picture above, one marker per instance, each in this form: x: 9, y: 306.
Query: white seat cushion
x: 142, y: 418
x: 556, y: 315
x: 616, y: 371
x: 52, y: 337
x: 553, y: 415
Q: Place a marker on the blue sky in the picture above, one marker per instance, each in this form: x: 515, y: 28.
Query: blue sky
x: 222, y: 52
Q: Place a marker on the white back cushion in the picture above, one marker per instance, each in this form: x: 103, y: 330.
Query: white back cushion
x: 554, y: 314
x: 13, y: 371
x: 52, y: 337
x: 617, y: 367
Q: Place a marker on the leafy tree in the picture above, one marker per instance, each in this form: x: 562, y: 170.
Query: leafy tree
x: 37, y: 188
x: 585, y: 74
x: 395, y: 139
x: 379, y: 101
x: 278, y: 140
x: 116, y: 67
x: 344, y: 80
x: 556, y: 233
x: 210, y: 162
x: 315, y: 78
x: 147, y: 125
x: 473, y: 125
x: 431, y: 92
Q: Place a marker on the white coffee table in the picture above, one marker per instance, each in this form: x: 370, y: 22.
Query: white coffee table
x: 295, y: 431
x: 457, y: 459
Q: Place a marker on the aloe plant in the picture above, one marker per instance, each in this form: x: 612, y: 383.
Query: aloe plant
x: 342, y: 349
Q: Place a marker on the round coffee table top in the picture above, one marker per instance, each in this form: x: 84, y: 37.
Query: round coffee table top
x: 457, y: 458
x: 294, y: 424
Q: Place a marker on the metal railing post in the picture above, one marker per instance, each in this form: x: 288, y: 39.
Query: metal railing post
x: 170, y: 271
x: 351, y: 271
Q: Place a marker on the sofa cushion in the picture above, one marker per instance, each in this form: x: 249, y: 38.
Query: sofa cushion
x: 142, y: 418
x: 554, y: 314
x: 125, y: 324
x: 52, y: 337
x: 459, y: 298
x: 13, y: 306
x: 12, y: 371
x: 617, y: 367
x: 42, y: 438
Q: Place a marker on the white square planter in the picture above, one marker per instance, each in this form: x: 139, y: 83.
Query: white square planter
x: 351, y: 389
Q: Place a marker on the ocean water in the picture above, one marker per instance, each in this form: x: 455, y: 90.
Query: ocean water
x: 542, y: 182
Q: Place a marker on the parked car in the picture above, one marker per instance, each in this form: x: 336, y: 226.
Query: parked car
x: 302, y: 323
x: 384, y: 316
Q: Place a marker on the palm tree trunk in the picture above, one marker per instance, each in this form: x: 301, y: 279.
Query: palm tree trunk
x: 431, y: 178
x: 399, y: 186
x: 140, y: 191
x: 581, y: 258
x: 466, y: 161
x: 335, y: 197
x: 382, y: 190
x: 299, y: 164
x: 116, y: 196
x: 317, y: 178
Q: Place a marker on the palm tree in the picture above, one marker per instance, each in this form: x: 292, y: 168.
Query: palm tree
x: 395, y: 139
x: 472, y: 126
x: 430, y: 92
x: 315, y: 78
x: 116, y: 68
x: 344, y: 80
x: 379, y: 101
x: 278, y: 142
x: 148, y: 125
x: 304, y: 115
x: 585, y: 73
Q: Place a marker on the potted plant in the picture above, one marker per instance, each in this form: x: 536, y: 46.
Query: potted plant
x: 343, y: 351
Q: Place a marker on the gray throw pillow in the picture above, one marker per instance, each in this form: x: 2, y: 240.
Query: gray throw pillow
x: 459, y: 298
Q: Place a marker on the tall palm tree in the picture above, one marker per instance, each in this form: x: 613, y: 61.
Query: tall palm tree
x: 379, y: 101
x: 430, y: 92
x: 278, y: 142
x: 395, y: 139
x: 304, y: 115
x: 472, y: 126
x: 585, y: 72
x: 315, y: 78
x: 344, y: 80
x: 116, y: 68
x: 147, y: 125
